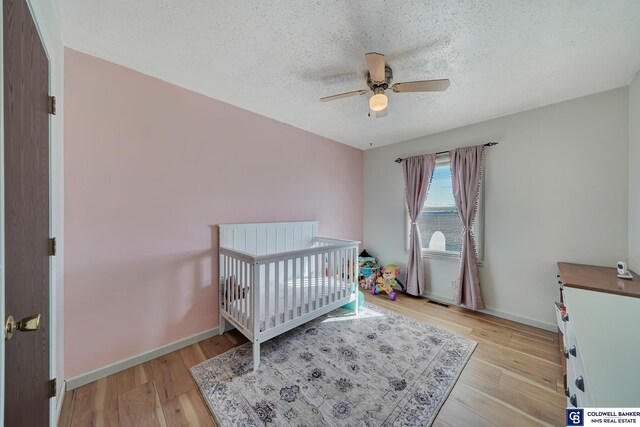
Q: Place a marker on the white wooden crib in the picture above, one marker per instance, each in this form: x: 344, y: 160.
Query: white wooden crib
x: 276, y: 276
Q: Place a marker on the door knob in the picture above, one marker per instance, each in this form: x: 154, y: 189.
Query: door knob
x: 28, y: 324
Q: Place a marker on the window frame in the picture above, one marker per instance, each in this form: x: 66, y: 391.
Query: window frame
x: 478, y: 224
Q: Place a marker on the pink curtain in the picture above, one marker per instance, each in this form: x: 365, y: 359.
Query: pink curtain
x: 418, y: 171
x: 466, y: 175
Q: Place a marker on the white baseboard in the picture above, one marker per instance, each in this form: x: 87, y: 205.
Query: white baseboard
x: 121, y: 365
x: 509, y: 316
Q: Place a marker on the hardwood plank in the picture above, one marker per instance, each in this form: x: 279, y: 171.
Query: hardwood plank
x: 215, y: 346
x: 524, y: 343
x: 141, y: 407
x: 235, y: 337
x: 484, y: 406
x: 131, y: 378
x: 534, y: 392
x: 483, y: 371
x: 67, y: 409
x: 192, y: 355
x: 188, y: 409
x: 453, y: 414
x: 495, y: 334
x: 96, y: 404
x: 170, y: 375
x: 534, y: 401
x: 543, y: 339
x: 535, y: 369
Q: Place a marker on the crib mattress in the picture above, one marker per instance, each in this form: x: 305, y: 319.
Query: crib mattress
x: 303, y: 303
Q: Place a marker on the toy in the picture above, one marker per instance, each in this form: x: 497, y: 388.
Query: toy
x: 387, y: 282
x: 369, y: 270
x: 351, y: 305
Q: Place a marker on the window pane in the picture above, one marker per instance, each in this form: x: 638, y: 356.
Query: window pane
x: 439, y: 224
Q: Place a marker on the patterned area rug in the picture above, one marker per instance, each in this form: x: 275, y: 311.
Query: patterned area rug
x: 376, y: 369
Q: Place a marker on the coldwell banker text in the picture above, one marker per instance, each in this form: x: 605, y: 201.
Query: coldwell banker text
x: 613, y: 417
x: 599, y: 416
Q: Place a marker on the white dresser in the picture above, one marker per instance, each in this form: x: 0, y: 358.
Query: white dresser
x: 601, y: 336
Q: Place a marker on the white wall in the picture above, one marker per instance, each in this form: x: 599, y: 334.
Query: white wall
x: 556, y: 189
x: 634, y: 174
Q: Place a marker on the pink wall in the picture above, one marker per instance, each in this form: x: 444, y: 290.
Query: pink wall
x: 150, y: 169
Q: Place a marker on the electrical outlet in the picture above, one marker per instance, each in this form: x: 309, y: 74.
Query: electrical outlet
x: 454, y: 284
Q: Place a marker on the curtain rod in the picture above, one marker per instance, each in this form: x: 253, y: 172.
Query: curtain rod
x: 488, y: 144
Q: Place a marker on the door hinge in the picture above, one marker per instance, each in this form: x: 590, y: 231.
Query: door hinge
x: 52, y: 105
x: 53, y: 387
x: 52, y: 246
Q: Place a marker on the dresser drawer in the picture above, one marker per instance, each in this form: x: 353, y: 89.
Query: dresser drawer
x: 577, y: 382
x: 560, y: 318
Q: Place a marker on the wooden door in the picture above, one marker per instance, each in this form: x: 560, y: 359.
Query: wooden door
x: 26, y: 166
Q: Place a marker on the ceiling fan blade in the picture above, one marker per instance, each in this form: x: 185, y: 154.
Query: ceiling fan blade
x: 375, y: 64
x: 343, y: 95
x: 422, y: 86
x: 382, y: 113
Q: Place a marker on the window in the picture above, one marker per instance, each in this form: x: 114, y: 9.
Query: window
x: 439, y: 224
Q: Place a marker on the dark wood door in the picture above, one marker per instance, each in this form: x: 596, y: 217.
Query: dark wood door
x: 26, y: 165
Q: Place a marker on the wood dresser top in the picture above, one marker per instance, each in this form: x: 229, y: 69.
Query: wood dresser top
x: 600, y: 279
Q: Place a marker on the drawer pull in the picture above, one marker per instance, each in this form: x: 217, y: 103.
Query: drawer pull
x: 566, y: 391
x: 566, y: 354
x: 580, y: 383
x: 574, y: 401
x: 565, y: 317
x: 572, y: 350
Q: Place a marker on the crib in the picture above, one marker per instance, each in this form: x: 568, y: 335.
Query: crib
x: 277, y: 276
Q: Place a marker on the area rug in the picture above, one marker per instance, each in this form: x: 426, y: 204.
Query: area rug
x: 375, y: 369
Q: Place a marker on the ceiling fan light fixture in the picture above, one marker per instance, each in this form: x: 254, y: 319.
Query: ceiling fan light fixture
x: 378, y: 102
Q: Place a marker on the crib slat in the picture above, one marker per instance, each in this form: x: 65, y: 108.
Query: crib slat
x: 294, y: 302
x: 276, y: 304
x: 226, y: 285
x: 353, y: 276
x: 245, y: 287
x: 232, y: 264
x: 316, y: 297
x: 247, y: 296
x: 234, y: 287
x: 308, y: 306
x: 324, y: 277
x: 286, y: 288
x: 340, y: 273
x: 241, y: 311
x: 255, y: 300
x: 238, y: 302
x: 343, y: 263
x: 267, y: 293
x: 332, y: 278
x: 347, y: 277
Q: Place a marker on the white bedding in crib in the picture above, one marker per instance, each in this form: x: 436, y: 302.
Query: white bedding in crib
x: 303, y: 301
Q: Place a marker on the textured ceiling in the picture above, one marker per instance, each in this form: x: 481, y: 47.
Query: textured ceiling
x: 277, y: 58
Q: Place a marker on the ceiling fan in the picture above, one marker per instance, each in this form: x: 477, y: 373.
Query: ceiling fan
x: 379, y: 79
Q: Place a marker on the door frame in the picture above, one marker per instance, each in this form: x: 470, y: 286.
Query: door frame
x: 45, y: 19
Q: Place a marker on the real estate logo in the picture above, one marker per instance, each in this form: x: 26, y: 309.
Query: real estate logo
x: 575, y: 417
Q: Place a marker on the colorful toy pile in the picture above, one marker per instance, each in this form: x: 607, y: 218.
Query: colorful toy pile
x: 378, y: 279
x: 369, y: 270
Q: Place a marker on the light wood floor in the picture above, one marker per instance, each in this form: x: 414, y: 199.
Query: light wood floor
x: 514, y: 378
